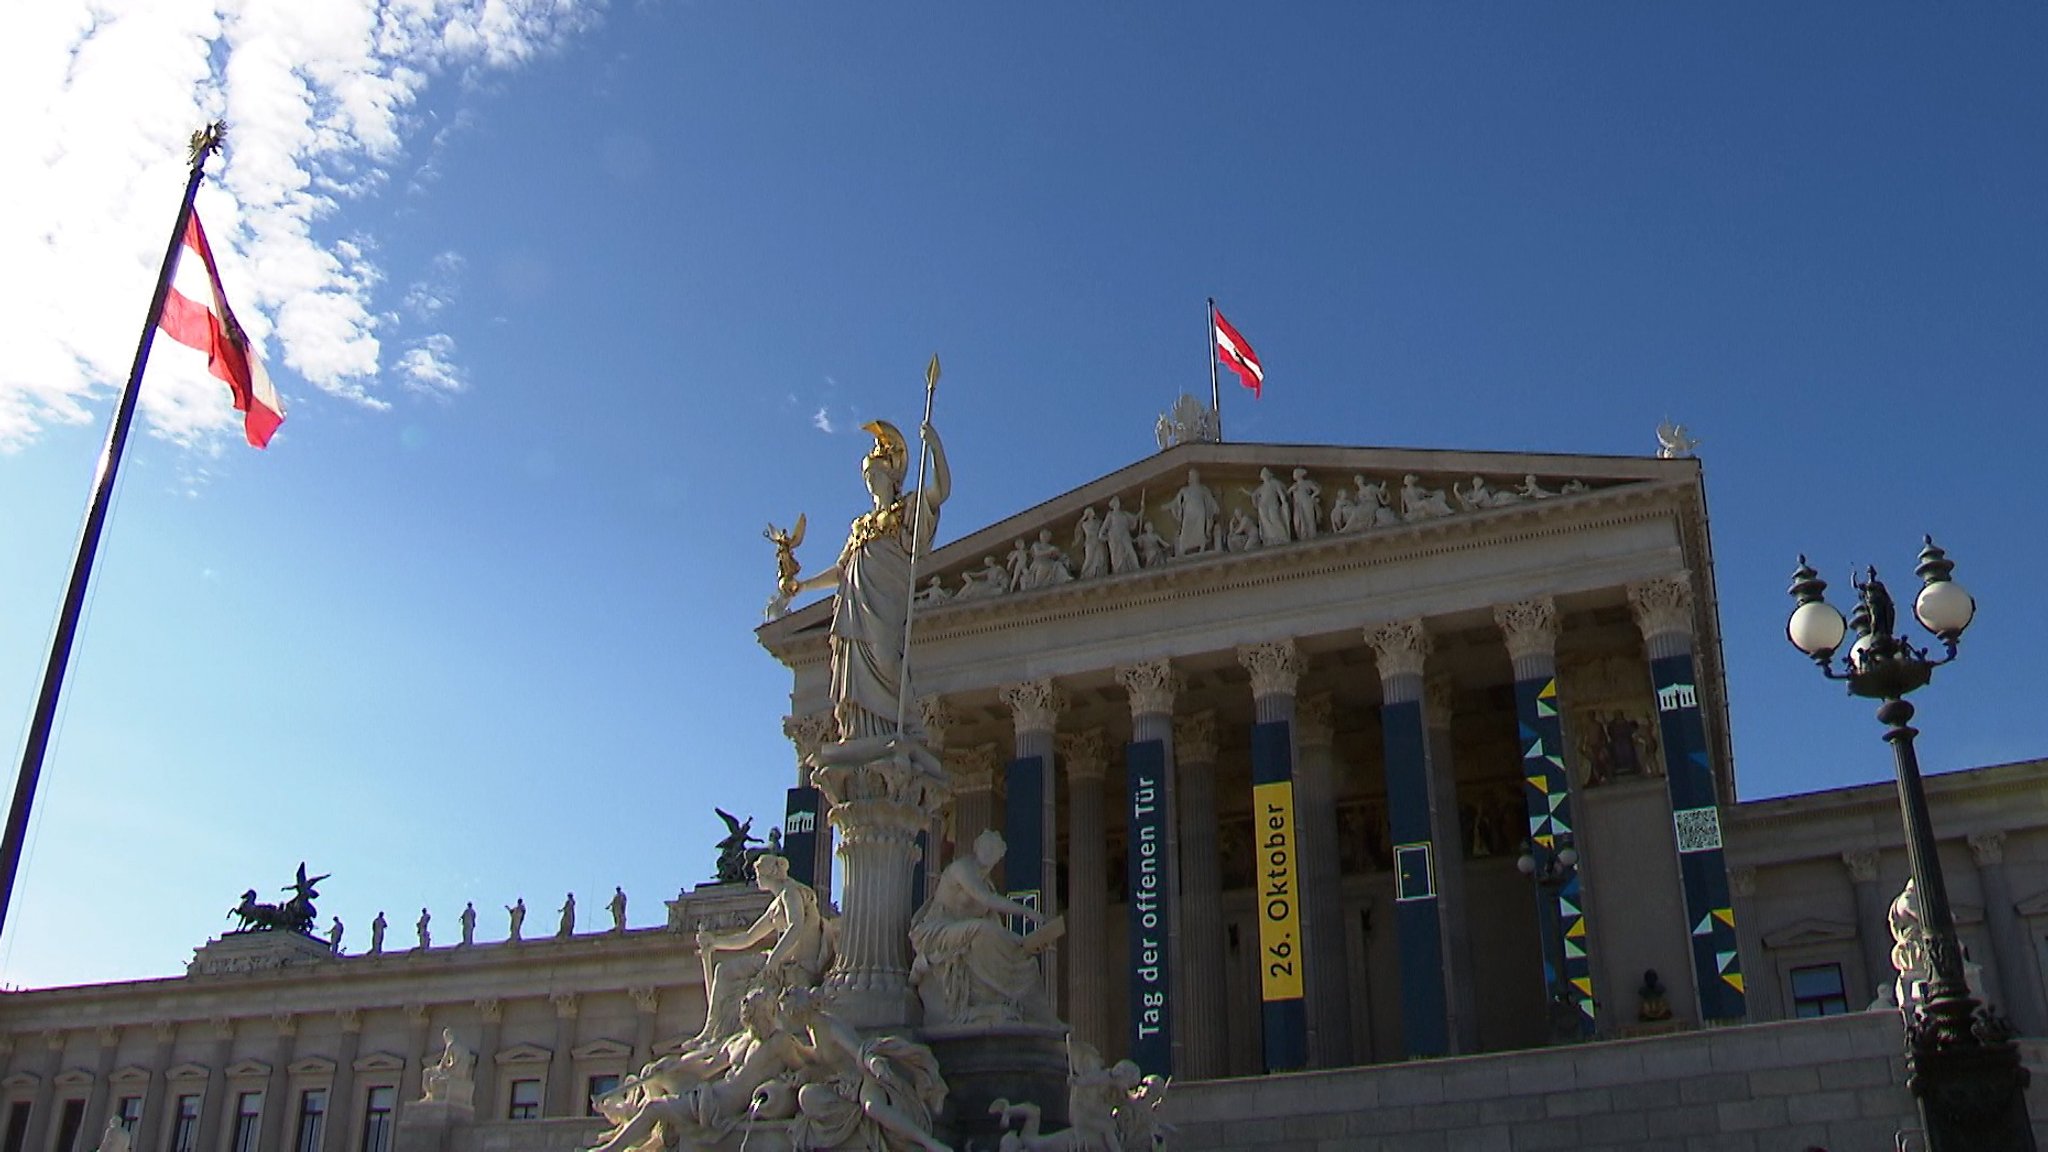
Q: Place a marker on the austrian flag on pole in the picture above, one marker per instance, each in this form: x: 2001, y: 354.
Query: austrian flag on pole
x: 196, y: 314
x: 1237, y: 355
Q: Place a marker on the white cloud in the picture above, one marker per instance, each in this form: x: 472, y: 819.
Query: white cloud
x: 821, y: 420
x: 319, y: 96
x: 429, y: 367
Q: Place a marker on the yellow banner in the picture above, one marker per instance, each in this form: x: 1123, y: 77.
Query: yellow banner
x: 1280, y: 956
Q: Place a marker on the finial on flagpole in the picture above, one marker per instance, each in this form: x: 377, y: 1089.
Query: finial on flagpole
x: 206, y: 142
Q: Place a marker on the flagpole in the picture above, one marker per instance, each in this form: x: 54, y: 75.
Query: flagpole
x: 205, y: 142
x: 1215, y: 397
x: 924, y: 448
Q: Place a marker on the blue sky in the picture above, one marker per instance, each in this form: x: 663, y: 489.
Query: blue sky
x: 563, y: 300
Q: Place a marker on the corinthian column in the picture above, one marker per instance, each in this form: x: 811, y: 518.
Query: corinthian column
x: 1401, y: 648
x: 938, y: 718
x: 1322, y: 893
x: 1086, y: 755
x: 973, y: 772
x: 2008, y: 938
x: 1439, y: 701
x: 1205, y: 1041
x: 1152, y: 687
x: 1035, y: 707
x: 1294, y: 1010
x: 1664, y: 611
x: 1873, y: 926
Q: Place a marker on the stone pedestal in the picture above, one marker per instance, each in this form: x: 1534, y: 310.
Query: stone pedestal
x: 981, y: 1065
x: 878, y: 808
x: 239, y: 952
x: 430, y: 1125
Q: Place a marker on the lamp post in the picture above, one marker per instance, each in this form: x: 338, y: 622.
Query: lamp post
x: 1552, y: 866
x: 1962, y: 1065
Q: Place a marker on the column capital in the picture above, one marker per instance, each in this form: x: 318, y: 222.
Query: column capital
x: 1862, y: 864
x: 351, y: 1020
x: 109, y: 1036
x: 1086, y: 754
x: 1151, y: 685
x: 1742, y: 880
x: 54, y: 1038
x: 1529, y: 627
x: 1400, y: 646
x: 973, y: 769
x: 165, y: 1031
x: 1035, y: 705
x: 1275, y: 667
x: 566, y: 1005
x: 1315, y: 720
x: 491, y: 1009
x: 1662, y: 607
x: 287, y: 1024
x: 808, y: 733
x: 646, y: 1000
x: 938, y: 718
x: 417, y: 1013
x: 1194, y: 738
x: 1987, y: 848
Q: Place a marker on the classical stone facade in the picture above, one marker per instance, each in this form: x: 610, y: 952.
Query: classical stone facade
x: 1442, y: 660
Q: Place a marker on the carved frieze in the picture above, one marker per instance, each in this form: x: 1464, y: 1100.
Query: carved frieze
x: 973, y: 769
x: 1862, y: 865
x: 808, y: 733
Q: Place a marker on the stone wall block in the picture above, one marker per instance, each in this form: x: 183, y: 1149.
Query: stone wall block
x: 1821, y: 1107
x: 1715, y: 1088
x: 1540, y: 1135
x: 1723, y: 1142
x: 1677, y: 1061
x: 1792, y: 1081
x: 1751, y: 1115
x: 1480, y: 1140
x: 1863, y: 1072
x: 1606, y: 1066
x: 1476, y: 1080
x: 1615, y: 1130
x: 1541, y: 1076
x: 1583, y: 1102
x: 1413, y: 1087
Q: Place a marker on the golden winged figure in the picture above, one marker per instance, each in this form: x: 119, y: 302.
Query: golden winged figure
x: 786, y: 541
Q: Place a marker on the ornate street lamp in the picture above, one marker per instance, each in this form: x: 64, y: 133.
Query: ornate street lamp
x: 1552, y: 867
x: 1962, y: 1065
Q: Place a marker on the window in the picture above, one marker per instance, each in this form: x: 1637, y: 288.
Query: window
x: 600, y: 1086
x: 68, y: 1123
x: 377, y: 1119
x: 248, y: 1120
x: 185, y: 1132
x: 130, y: 1112
x: 525, y: 1100
x: 312, y: 1118
x: 1818, y: 991
x: 17, y: 1127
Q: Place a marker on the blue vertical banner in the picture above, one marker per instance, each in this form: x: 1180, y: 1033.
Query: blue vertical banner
x: 1696, y: 821
x: 921, y: 868
x: 1151, y: 977
x: 1024, y: 833
x: 1283, y: 1012
x: 803, y: 812
x: 1418, y: 915
x: 1547, y: 793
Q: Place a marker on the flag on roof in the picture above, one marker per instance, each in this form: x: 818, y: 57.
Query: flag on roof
x: 1236, y: 354
x: 196, y: 314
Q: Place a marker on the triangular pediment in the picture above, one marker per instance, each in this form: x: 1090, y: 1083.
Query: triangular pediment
x: 248, y: 1068
x: 1356, y: 497
x: 132, y: 1074
x: 2035, y: 905
x: 74, y: 1078
x: 604, y: 1049
x: 312, y: 1066
x: 187, y: 1071
x: 380, y: 1062
x: 524, y: 1054
x: 1809, y: 931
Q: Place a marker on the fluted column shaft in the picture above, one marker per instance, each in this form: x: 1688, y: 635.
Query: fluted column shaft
x: 974, y: 796
x: 1152, y: 687
x: 1322, y: 891
x: 213, y: 1109
x: 1087, y: 760
x: 1035, y: 707
x: 45, y: 1094
x: 646, y: 1003
x: 1205, y: 1039
x: 1400, y: 649
x: 1293, y: 1022
x: 96, y: 1099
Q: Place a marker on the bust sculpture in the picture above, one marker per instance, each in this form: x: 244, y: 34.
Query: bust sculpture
x: 970, y: 968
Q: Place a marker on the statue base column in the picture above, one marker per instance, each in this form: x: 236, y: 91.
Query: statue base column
x: 878, y: 807
x: 1013, y: 1062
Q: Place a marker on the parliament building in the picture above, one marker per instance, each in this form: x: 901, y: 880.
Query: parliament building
x: 1386, y: 798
